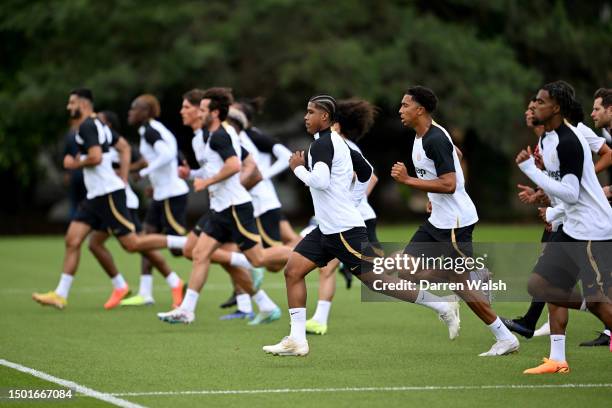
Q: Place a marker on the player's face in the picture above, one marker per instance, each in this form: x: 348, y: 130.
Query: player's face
x: 529, y: 114
x: 409, y: 111
x: 545, y: 108
x: 602, y: 117
x: 137, y: 113
x: 189, y: 113
x: 74, y: 107
x: 206, y: 115
x: 315, y: 119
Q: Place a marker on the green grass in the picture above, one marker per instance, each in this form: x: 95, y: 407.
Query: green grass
x: 368, y: 344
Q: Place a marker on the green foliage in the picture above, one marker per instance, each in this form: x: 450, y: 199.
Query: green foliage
x: 482, y: 58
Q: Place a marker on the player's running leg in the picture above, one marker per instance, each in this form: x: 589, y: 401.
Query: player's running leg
x: 327, y: 288
x: 58, y: 298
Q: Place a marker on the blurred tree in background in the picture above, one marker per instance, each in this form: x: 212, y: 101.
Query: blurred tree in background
x: 483, y: 58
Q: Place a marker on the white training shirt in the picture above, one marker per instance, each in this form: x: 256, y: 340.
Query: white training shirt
x: 329, y: 176
x: 100, y: 179
x: 212, y: 151
x: 158, y: 147
x: 364, y: 207
x: 263, y: 193
x: 555, y: 214
x: 572, y: 179
x: 132, y: 201
x: 433, y: 155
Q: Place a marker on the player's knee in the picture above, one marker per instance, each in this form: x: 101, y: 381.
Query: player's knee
x: 199, y: 255
x: 291, y: 272
x: 130, y: 245
x: 257, y: 260
x: 72, y: 243
x: 93, y: 246
x: 188, y: 253
x: 535, y: 287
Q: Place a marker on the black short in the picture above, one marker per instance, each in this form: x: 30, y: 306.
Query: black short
x: 107, y: 213
x: 546, y: 235
x: 136, y: 220
x: 283, y: 216
x: 268, y: 225
x: 168, y: 216
x: 351, y: 247
x: 430, y: 241
x: 234, y: 224
x: 566, y: 260
x: 201, y: 223
x: 371, y: 227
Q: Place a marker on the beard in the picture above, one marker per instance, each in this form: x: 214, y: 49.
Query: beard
x: 536, y: 122
x: 76, y: 114
x: 206, y: 122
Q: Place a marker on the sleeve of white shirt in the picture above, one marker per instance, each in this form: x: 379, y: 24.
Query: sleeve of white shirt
x: 282, y: 155
x: 554, y: 213
x: 595, y: 142
x: 566, y: 190
x: 164, y: 156
x: 198, y: 173
x: 318, y: 178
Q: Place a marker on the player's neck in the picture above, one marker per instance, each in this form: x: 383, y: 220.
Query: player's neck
x: 553, y: 123
x: 422, y: 126
x: 216, y: 124
x: 196, y: 126
x: 84, y: 115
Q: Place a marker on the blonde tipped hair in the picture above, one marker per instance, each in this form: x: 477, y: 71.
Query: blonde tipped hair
x: 152, y: 104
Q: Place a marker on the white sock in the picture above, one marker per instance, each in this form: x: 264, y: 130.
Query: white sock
x: 118, y: 282
x: 190, y: 301
x: 240, y: 260
x: 424, y: 298
x: 173, y: 280
x: 607, y: 332
x: 176, y: 241
x: 243, y: 301
x: 322, y: 312
x: 583, y: 307
x: 500, y: 331
x: 146, y: 286
x: 557, y: 347
x: 264, y: 303
x: 298, y: 324
x: 64, y: 285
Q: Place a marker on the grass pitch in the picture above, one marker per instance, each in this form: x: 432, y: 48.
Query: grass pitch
x: 374, y: 354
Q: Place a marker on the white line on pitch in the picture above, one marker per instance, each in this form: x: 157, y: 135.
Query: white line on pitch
x: 111, y: 399
x: 361, y: 389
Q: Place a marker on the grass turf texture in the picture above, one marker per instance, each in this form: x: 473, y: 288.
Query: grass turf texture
x: 368, y: 344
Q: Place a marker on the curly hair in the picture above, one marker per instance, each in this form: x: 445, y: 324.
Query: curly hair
x: 356, y: 117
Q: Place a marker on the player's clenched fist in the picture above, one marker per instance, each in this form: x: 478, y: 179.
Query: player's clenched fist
x: 400, y: 173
